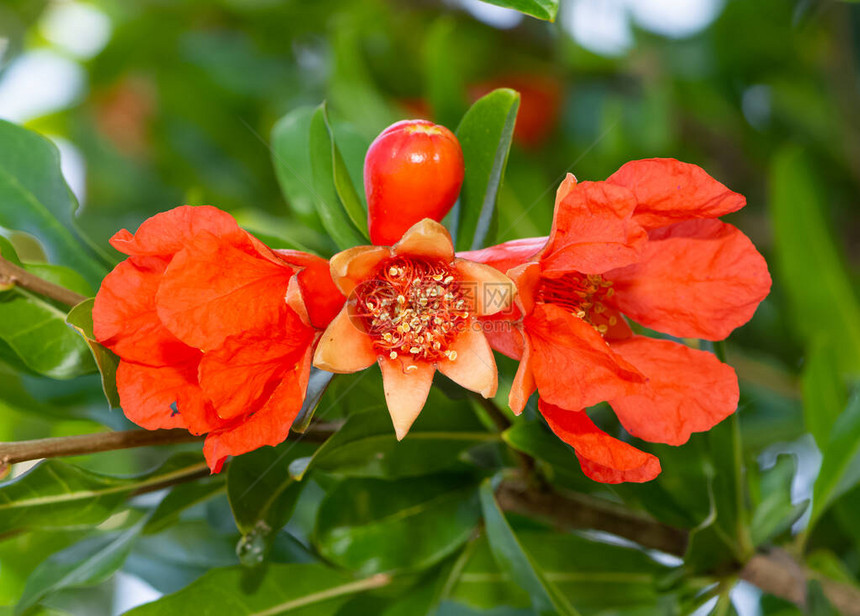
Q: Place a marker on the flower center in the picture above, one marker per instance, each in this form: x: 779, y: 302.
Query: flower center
x: 582, y: 295
x: 413, y: 308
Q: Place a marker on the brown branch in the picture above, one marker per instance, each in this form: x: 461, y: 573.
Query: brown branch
x: 11, y: 453
x: 776, y: 572
x: 11, y: 274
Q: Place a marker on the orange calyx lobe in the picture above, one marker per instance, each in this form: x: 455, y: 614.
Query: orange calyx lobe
x: 583, y: 295
x: 412, y: 309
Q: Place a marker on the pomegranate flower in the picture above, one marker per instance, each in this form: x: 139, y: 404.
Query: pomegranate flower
x: 214, y: 330
x: 645, y: 244
x: 413, y: 308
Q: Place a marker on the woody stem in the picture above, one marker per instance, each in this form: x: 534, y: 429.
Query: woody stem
x: 11, y: 453
x: 18, y: 276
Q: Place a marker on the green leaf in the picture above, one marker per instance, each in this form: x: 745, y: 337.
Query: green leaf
x: 366, y: 446
x: 840, y: 463
x: 81, y: 318
x: 373, y: 526
x: 812, y: 272
x: 262, y: 495
x: 34, y: 198
x: 775, y: 512
x: 824, y: 393
x: 594, y: 576
x: 182, y: 497
x: 298, y: 590
x: 87, y: 563
x: 542, y: 9
x: 37, y: 333
x: 290, y: 148
x: 485, y: 134
x: 54, y: 494
x: 327, y: 169
x: 512, y: 559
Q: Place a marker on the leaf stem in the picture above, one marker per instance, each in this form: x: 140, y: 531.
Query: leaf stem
x: 18, y: 276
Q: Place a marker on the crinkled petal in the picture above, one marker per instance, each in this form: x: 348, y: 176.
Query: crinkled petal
x: 163, y: 396
x: 474, y: 366
x: 507, y: 255
x: 406, y: 391
x: 166, y: 233
x: 321, y: 298
x: 668, y: 191
x: 697, y: 279
x: 270, y: 425
x: 214, y: 289
x: 602, y: 457
x: 687, y: 391
x: 527, y: 278
x: 125, y: 319
x: 523, y: 385
x: 344, y: 347
x: 488, y: 290
x: 426, y: 238
x: 573, y: 366
x: 352, y: 266
x: 503, y: 334
x: 593, y: 230
x: 239, y: 375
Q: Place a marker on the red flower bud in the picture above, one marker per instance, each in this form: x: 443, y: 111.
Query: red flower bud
x: 413, y: 170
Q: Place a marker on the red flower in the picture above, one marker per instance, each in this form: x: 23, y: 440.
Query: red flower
x: 215, y: 331
x: 644, y: 244
x: 412, y: 309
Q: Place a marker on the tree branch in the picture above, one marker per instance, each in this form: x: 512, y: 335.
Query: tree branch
x: 18, y: 276
x: 11, y: 453
x: 775, y: 572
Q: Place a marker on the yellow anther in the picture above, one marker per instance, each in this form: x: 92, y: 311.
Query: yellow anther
x: 393, y: 355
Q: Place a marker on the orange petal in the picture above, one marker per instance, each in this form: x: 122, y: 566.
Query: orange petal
x: 406, y: 391
x: 474, y: 367
x: 697, y: 279
x: 593, y: 230
x: 239, y: 375
x: 322, y: 299
x: 526, y: 278
x: 503, y: 334
x: 573, y: 366
x: 167, y: 232
x: 491, y: 291
x: 524, y: 381
x: 214, y: 289
x: 125, y: 318
x: 163, y: 396
x: 268, y: 426
x: 354, y: 265
x: 602, y: 457
x: 668, y: 191
x: 687, y: 391
x: 344, y: 347
x: 426, y: 238
x: 508, y: 255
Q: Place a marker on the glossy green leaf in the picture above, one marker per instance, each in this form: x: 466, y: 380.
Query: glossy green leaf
x: 775, y: 512
x: 824, y: 392
x: 54, y: 494
x: 34, y: 198
x: 37, y: 333
x: 518, y: 564
x: 262, y: 494
x: 81, y: 318
x: 333, y: 213
x: 594, y: 576
x: 397, y: 525
x: 542, y: 9
x: 290, y: 147
x: 485, y: 134
x: 87, y: 563
x: 298, y: 590
x: 182, y: 497
x: 366, y: 446
x: 840, y: 463
x: 346, y: 192
x: 823, y: 303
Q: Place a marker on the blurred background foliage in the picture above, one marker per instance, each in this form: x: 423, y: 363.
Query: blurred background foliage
x: 158, y: 103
